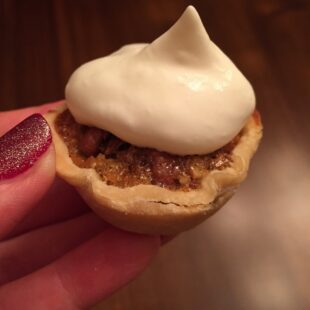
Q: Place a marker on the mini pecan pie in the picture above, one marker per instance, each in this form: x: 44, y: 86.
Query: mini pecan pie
x: 144, y: 190
x: 156, y: 137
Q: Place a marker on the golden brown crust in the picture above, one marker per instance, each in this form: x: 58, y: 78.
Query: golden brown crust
x: 152, y: 209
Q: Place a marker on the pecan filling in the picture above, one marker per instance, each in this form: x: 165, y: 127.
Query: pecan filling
x: 121, y: 164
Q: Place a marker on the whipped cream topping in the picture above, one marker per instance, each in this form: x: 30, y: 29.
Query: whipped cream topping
x: 180, y: 94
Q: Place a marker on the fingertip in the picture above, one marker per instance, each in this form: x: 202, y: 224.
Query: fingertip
x: 43, y: 172
x: 20, y: 194
x: 166, y: 239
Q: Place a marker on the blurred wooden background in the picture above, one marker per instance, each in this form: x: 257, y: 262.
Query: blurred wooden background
x: 254, y: 253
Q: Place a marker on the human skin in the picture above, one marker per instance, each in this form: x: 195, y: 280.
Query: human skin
x: 55, y: 253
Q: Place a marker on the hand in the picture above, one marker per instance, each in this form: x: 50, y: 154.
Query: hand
x: 54, y: 252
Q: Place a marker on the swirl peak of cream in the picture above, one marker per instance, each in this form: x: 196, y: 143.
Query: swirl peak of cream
x: 179, y: 94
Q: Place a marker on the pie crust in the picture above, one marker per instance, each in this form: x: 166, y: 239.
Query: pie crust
x: 151, y: 209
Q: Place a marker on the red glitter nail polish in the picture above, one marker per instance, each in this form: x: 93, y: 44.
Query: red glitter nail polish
x: 22, y: 146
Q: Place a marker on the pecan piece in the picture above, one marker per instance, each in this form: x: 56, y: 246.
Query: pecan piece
x: 165, y: 170
x: 90, y: 141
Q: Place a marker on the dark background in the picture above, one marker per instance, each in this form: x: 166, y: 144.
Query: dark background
x: 255, y: 252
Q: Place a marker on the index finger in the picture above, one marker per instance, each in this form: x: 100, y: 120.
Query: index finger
x: 60, y: 202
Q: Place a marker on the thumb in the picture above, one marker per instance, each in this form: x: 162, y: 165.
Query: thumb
x: 27, y: 169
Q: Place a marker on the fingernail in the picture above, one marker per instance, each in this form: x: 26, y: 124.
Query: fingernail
x: 23, y: 145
